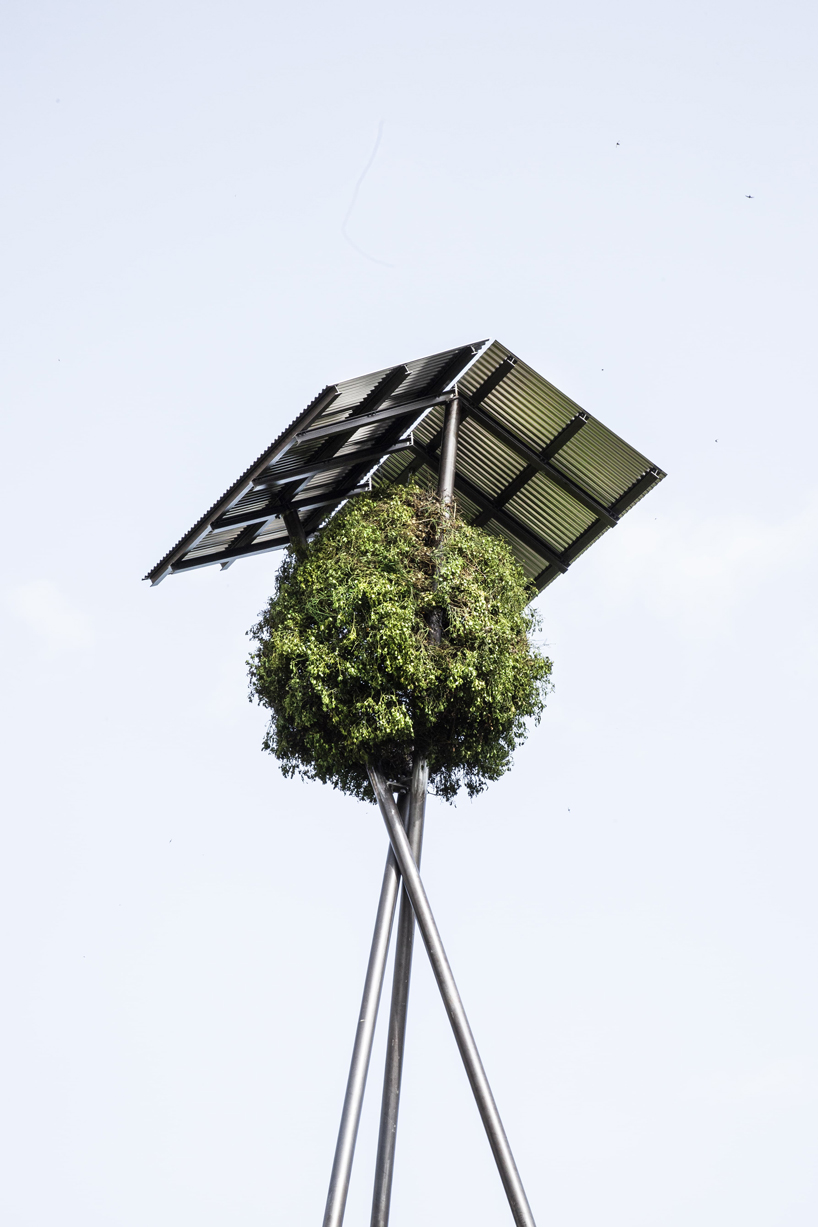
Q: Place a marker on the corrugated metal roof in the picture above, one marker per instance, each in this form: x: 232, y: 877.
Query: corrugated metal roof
x: 387, y: 403
x: 532, y: 466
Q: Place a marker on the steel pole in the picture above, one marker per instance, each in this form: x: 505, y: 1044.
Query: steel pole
x: 393, y: 1071
x: 295, y: 530
x: 362, y: 1048
x: 396, y: 1038
x: 448, y: 450
x: 413, y: 884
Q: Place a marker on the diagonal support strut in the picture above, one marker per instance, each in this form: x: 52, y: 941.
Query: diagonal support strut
x: 362, y: 1048
x: 396, y: 1035
x: 441, y: 968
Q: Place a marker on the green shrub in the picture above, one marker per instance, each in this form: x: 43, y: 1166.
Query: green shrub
x: 347, y: 664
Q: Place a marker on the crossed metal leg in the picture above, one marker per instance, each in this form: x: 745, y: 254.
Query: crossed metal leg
x: 362, y: 1048
x: 403, y: 857
x: 396, y: 1036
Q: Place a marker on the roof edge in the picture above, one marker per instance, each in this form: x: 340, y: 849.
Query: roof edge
x: 284, y: 441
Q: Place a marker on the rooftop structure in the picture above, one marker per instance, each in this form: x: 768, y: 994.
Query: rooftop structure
x: 532, y: 465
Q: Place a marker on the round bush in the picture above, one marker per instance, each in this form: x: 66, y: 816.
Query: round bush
x: 347, y: 663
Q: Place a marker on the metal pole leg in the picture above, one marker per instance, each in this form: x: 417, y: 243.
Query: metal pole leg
x: 362, y: 1049
x: 454, y: 1006
x: 385, y: 1164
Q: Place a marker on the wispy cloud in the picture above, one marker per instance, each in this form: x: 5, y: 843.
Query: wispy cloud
x: 354, y: 199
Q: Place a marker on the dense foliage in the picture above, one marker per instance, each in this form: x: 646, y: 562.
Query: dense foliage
x: 347, y: 664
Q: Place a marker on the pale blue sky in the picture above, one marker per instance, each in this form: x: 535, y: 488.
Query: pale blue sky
x: 631, y: 914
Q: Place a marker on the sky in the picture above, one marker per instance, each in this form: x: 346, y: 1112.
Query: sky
x: 623, y: 195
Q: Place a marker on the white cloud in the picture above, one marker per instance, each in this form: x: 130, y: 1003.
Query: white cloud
x: 50, y: 615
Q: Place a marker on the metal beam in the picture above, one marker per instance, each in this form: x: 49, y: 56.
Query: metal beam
x: 564, y: 436
x: 373, y: 400
x: 244, y: 545
x: 436, y: 394
x: 639, y: 487
x: 453, y: 368
x: 389, y: 436
x: 246, y: 536
x: 358, y: 471
x: 524, y: 477
x: 491, y: 381
x: 353, y: 424
x: 281, y: 445
x: 367, y: 454
x: 515, y: 444
x: 597, y: 529
x: 546, y: 577
x: 295, y: 530
x: 480, y: 393
x: 584, y: 540
x: 384, y: 388
x: 509, y: 522
x: 210, y: 560
x: 573, y: 551
x: 278, y: 506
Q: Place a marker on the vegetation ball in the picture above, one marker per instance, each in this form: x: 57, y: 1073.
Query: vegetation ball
x: 400, y: 631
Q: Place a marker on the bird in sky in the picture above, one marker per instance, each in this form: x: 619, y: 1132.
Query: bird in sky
x: 746, y: 197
